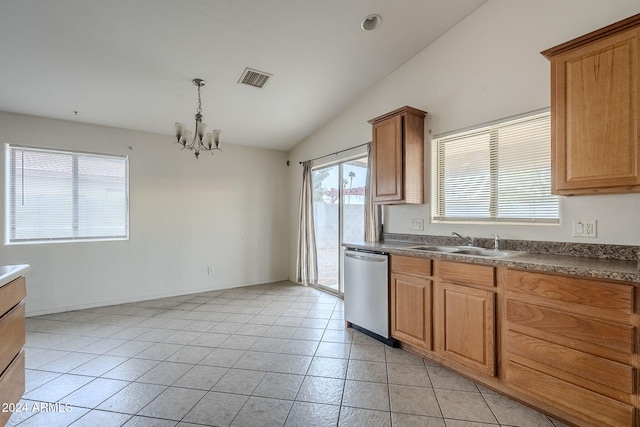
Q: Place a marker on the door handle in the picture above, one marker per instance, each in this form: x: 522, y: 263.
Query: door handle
x: 365, y: 258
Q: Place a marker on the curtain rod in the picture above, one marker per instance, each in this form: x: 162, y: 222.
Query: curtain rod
x: 337, y: 152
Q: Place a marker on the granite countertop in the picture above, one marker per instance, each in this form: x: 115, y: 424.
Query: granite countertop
x: 603, y: 268
x: 8, y: 273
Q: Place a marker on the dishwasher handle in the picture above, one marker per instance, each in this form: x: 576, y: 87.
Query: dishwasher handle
x: 370, y: 257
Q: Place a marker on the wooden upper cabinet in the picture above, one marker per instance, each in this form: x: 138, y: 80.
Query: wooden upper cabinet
x: 398, y: 157
x: 595, y: 83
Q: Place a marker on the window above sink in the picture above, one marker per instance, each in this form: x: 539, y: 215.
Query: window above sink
x: 498, y: 172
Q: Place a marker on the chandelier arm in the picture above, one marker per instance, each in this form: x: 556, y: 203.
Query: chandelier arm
x: 195, y: 132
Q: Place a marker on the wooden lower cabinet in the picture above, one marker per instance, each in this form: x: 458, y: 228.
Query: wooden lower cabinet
x: 570, y: 343
x: 12, y: 339
x: 565, y: 345
x: 448, y: 303
x: 468, y: 318
x: 13, y: 333
x: 12, y: 385
x: 411, y: 301
x: 467, y: 315
x: 411, y: 309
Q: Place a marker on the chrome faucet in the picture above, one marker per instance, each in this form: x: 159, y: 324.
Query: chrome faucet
x: 496, y: 242
x: 469, y: 238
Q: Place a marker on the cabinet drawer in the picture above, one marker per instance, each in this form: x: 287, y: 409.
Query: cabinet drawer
x: 12, y: 331
x: 12, y: 385
x: 577, y: 367
x: 411, y: 265
x: 11, y: 294
x: 565, y: 291
x: 572, y: 329
x: 467, y: 274
x: 585, y: 404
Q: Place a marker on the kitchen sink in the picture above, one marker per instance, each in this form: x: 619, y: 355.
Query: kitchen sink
x: 435, y: 248
x: 464, y: 250
x: 483, y: 253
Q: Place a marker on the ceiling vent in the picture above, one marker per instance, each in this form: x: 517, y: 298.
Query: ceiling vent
x: 254, y: 78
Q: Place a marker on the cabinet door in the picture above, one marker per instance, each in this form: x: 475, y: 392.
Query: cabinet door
x: 468, y: 318
x: 411, y: 310
x: 387, y: 160
x: 595, y: 116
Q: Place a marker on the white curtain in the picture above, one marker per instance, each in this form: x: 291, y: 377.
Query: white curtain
x: 372, y: 212
x: 306, y: 262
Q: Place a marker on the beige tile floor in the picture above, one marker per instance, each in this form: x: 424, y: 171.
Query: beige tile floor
x: 266, y: 355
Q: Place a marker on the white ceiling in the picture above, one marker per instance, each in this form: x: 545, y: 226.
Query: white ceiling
x: 129, y: 63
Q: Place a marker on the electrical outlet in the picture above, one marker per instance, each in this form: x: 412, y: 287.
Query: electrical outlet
x: 417, y: 224
x: 585, y: 228
x: 209, y: 271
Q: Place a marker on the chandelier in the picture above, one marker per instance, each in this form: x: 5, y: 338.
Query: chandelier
x: 202, y: 141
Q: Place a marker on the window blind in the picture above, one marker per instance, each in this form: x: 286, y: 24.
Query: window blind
x: 58, y: 195
x: 500, y: 172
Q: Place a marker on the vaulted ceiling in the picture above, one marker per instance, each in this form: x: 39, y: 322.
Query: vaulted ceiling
x: 129, y: 63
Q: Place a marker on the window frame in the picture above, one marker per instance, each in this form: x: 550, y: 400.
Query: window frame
x: 491, y: 129
x: 10, y: 215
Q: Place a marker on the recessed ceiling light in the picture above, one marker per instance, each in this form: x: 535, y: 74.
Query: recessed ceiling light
x: 371, y: 22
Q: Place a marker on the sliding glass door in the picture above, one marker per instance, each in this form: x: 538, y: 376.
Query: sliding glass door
x: 338, y: 209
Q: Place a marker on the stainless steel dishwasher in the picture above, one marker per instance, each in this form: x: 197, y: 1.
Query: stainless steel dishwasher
x: 366, y: 293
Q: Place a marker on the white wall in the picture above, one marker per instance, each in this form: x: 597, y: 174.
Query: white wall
x: 486, y: 68
x: 226, y: 211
